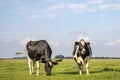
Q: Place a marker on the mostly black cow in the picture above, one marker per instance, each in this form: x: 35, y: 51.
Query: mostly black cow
x: 82, y: 54
x: 39, y: 50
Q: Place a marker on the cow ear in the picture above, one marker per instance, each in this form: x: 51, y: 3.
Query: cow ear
x: 76, y: 43
x: 30, y: 42
x: 55, y: 63
x: 88, y: 43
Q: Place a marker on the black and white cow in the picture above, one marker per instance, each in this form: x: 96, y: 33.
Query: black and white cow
x: 82, y: 54
x: 39, y: 50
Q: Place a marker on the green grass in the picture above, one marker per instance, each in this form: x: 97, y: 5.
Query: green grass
x: 100, y: 69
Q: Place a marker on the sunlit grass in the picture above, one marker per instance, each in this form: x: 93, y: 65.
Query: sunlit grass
x: 100, y: 69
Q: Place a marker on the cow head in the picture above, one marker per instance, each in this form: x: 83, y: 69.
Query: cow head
x: 48, y: 66
x: 81, y: 46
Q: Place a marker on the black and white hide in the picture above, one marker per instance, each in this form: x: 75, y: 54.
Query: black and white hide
x: 82, y: 54
x: 39, y: 50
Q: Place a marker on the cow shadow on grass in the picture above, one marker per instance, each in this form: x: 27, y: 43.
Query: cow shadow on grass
x: 77, y: 73
x: 111, y: 69
x: 106, y: 69
x: 67, y: 73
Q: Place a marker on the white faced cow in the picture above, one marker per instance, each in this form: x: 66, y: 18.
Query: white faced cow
x: 39, y: 50
x: 82, y: 54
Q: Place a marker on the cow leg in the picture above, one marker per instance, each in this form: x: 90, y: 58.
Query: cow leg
x: 77, y: 68
x: 87, y: 64
x: 87, y: 67
x: 30, y: 64
x: 81, y: 69
x: 38, y: 68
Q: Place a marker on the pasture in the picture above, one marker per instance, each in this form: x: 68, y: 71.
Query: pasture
x: 100, y: 69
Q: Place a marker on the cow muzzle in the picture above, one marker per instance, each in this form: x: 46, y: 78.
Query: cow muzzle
x: 83, y: 51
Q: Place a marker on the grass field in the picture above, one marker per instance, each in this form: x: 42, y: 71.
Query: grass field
x: 100, y: 69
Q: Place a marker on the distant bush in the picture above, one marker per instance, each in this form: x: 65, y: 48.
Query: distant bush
x: 59, y: 56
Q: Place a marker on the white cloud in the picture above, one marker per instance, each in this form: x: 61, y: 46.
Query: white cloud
x: 56, y: 10
x: 110, y: 6
x: 27, y: 39
x: 35, y: 16
x: 51, y: 15
x: 62, y: 9
x: 116, y: 6
x: 24, y: 41
x: 92, y: 9
x: 77, y: 8
x: 93, y: 6
x: 55, y: 43
x: 113, y: 43
x: 48, y: 15
x: 9, y: 40
x: 82, y: 8
x: 104, y: 6
x: 95, y: 1
x: 52, y: 0
x: 56, y: 7
x: 51, y: 12
x: 6, y: 40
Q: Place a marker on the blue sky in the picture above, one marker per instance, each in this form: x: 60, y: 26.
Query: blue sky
x: 61, y: 23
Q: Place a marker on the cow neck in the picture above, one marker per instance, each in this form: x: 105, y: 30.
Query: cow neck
x: 46, y: 57
x: 76, y: 52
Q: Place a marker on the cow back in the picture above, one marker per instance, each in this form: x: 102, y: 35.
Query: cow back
x: 38, y: 50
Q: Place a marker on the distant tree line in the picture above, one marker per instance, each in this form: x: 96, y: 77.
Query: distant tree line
x: 105, y: 57
x: 64, y: 57
x: 69, y: 57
